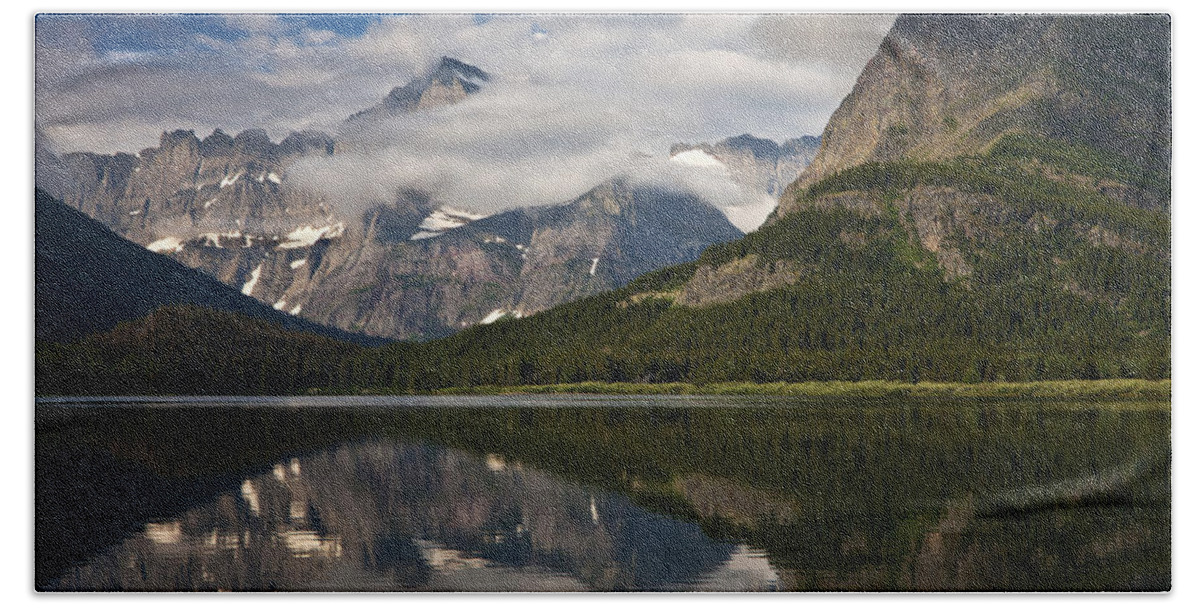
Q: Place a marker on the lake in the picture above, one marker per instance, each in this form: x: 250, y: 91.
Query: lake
x: 574, y: 493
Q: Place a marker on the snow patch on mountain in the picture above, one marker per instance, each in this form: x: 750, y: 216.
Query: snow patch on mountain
x: 229, y: 180
x: 213, y: 239
x: 248, y: 288
x: 170, y: 244
x: 306, y: 236
x: 493, y: 317
x: 443, y: 219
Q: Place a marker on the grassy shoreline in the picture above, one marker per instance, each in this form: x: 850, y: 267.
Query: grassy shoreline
x: 1050, y: 389
x: 1091, y: 390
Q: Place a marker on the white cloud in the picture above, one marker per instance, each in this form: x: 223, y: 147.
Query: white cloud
x: 574, y: 98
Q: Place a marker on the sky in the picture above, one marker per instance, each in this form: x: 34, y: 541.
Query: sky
x: 573, y: 99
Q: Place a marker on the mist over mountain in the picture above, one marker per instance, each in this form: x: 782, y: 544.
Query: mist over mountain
x: 754, y: 164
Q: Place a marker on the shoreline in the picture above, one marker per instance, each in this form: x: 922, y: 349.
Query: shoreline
x: 1058, y: 390
x: 1047, y: 389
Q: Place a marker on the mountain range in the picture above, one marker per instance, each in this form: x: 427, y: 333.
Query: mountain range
x: 408, y: 268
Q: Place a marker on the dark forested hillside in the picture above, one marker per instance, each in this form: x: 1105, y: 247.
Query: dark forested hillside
x: 88, y: 279
x: 188, y: 350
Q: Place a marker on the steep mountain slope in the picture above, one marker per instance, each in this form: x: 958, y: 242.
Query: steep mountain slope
x: 942, y: 87
x: 1022, y: 245
x: 88, y: 279
x: 610, y: 235
x: 404, y: 268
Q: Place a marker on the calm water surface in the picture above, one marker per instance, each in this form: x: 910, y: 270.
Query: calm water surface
x: 571, y: 493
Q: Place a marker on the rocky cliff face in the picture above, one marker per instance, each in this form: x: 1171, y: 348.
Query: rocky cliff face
x: 609, y: 236
x: 512, y: 264
x: 950, y: 85
x: 219, y: 184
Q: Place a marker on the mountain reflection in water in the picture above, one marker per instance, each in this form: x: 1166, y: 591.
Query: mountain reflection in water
x: 386, y: 515
x: 597, y: 493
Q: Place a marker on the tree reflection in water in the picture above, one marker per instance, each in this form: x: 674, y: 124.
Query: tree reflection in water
x: 785, y: 496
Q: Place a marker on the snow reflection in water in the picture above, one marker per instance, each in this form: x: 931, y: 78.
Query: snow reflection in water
x: 385, y: 515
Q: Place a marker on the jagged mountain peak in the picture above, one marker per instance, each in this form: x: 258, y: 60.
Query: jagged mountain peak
x: 302, y: 142
x: 253, y: 142
x: 611, y: 197
x: 449, y: 68
x: 448, y: 81
x: 169, y: 138
x: 215, y: 142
